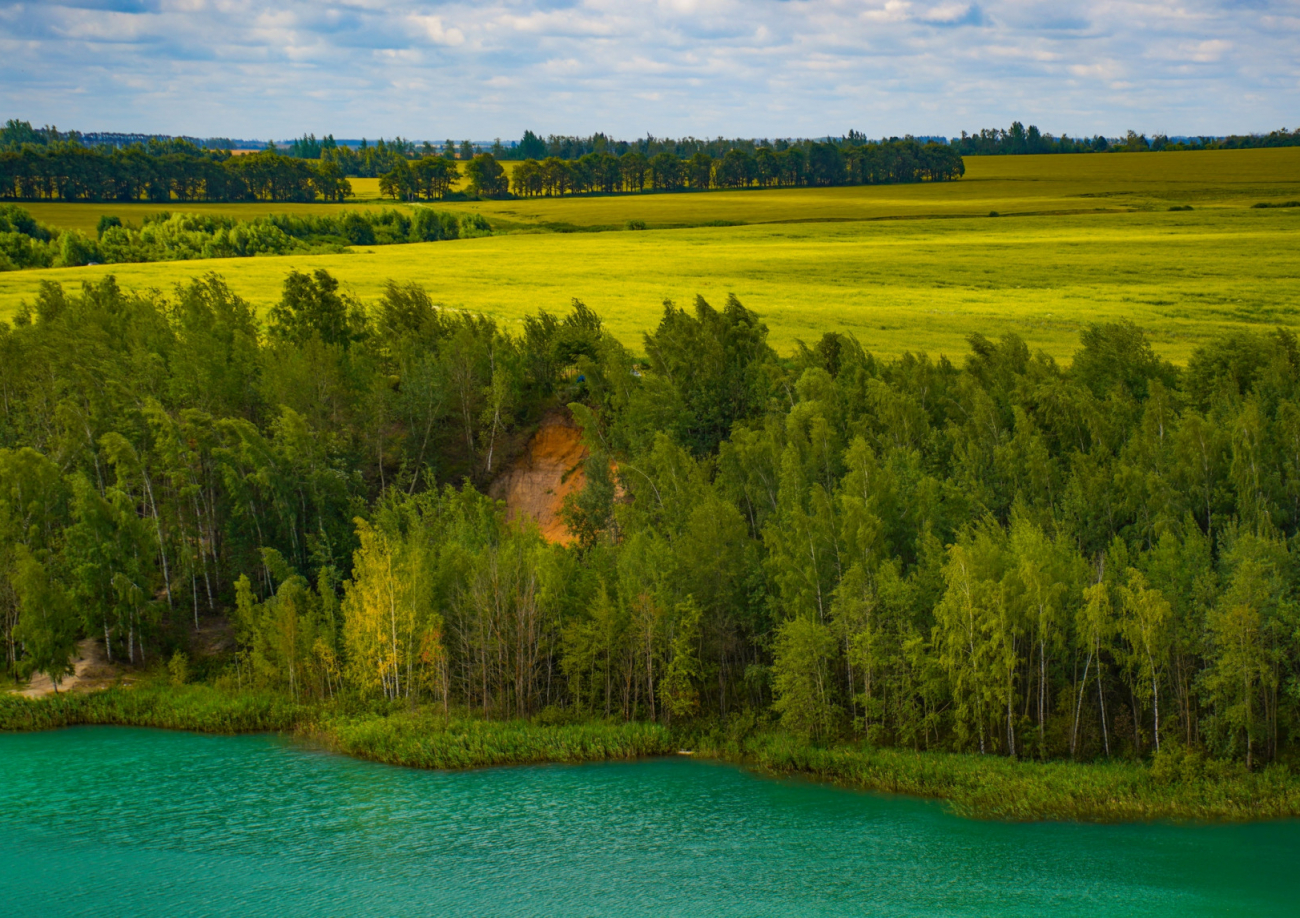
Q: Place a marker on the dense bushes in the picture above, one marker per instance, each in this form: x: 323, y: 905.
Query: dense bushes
x: 169, y: 237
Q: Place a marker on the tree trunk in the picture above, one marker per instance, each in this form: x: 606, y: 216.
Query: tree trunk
x: 1074, y: 731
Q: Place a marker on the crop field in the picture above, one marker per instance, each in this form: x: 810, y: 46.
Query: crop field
x: 1017, y: 185
x: 1080, y: 239
x: 1021, y: 185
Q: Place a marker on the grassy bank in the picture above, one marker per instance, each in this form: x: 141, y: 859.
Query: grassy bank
x: 1177, y: 786
x: 197, y: 708
x: 424, y: 740
x: 417, y: 739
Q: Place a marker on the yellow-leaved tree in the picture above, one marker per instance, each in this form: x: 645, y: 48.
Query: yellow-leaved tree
x: 392, y: 630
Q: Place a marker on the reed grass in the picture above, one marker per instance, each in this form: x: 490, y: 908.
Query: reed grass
x: 380, y: 733
x: 199, y: 708
x: 427, y: 740
x: 1176, y: 786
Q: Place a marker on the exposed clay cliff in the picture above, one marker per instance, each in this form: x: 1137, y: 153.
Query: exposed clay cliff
x: 549, y: 469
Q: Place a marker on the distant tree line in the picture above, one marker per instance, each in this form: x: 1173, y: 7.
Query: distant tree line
x: 1018, y: 139
x: 67, y: 171
x: 811, y: 164
x: 368, y: 160
x: 1009, y: 556
x: 15, y: 133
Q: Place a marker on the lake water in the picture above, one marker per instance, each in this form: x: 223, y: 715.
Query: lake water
x: 110, y: 821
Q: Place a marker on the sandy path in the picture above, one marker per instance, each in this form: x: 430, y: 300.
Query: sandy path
x: 92, y: 672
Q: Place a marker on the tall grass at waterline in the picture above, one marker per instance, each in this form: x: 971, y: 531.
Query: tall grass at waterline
x: 1177, y: 785
x: 198, y: 708
x: 381, y: 733
x: 423, y: 739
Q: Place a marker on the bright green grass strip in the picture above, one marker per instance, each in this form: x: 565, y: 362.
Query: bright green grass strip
x: 193, y: 707
x: 428, y: 740
x: 420, y: 739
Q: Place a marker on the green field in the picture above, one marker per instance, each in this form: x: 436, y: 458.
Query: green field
x: 1081, y: 239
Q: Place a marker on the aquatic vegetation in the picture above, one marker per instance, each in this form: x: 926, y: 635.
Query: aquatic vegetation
x: 381, y: 733
x: 424, y: 739
x: 199, y: 708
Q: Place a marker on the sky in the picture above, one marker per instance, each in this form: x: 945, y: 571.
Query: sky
x: 739, y: 68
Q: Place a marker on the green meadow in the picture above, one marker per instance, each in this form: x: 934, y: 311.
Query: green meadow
x: 1077, y: 239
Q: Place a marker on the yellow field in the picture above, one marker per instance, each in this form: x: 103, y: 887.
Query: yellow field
x: 1092, y: 239
x: 1041, y: 185
x: 1007, y: 184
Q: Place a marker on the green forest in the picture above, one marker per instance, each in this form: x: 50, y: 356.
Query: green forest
x: 997, y: 554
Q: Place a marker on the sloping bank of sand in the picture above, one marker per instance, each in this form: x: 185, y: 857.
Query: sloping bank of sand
x: 92, y: 672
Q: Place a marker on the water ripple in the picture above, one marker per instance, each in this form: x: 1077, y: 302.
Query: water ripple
x: 108, y: 821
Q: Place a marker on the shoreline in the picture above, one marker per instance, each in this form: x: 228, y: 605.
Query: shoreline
x: 1176, y: 787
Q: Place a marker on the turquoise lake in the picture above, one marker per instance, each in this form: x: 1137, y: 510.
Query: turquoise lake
x: 110, y: 821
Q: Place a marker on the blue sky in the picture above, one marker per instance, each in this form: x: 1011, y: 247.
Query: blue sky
x: 760, y: 68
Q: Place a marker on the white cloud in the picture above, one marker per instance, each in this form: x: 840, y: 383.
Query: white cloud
x: 951, y: 13
x: 1207, y: 51
x: 259, y: 68
x: 438, y: 34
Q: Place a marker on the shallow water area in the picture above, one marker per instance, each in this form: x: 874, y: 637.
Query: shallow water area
x: 117, y: 821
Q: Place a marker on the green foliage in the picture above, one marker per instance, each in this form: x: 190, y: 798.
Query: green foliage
x: 710, y: 370
x: 47, y: 624
x: 312, y: 308
x: 431, y: 741
x: 1012, y: 556
x: 170, y: 236
x: 68, y: 171
x: 190, y: 707
x: 487, y: 177
x: 801, y: 679
x: 178, y: 668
